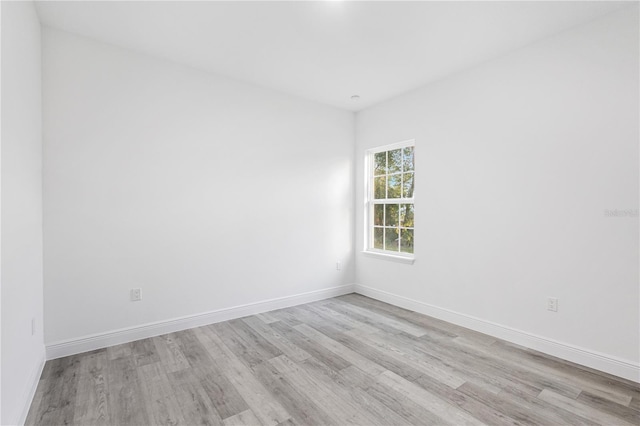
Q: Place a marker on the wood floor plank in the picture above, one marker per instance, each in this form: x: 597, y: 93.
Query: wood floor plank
x: 58, y: 392
x: 542, y: 409
x: 446, y: 376
x: 441, y: 408
x: 246, y: 418
x: 326, y: 397
x: 266, y: 408
x: 473, y: 407
x: 615, y: 397
x: 342, y: 351
x: 286, y: 347
x: 285, y: 316
x: 392, y: 364
x: 601, y: 384
x: 332, y: 316
x: 196, y: 354
x: 299, y: 406
x: 472, y: 368
x: 312, y: 318
x: 477, y: 367
x: 289, y: 422
x: 446, y: 361
x: 92, y: 406
x: 582, y: 409
x: 159, y: 395
x: 126, y: 402
x: 144, y: 352
x: 517, y: 371
x: 219, y: 390
x: 377, y: 318
x: 348, y: 360
x: 196, y: 404
x: 625, y: 413
x: 378, y: 412
x: 170, y: 353
x: 523, y: 413
x: 413, y: 413
x: 342, y: 308
x: 245, y: 351
x: 316, y: 350
x: 224, y: 395
x: 119, y: 351
x: 222, y: 392
x: 266, y: 317
x: 60, y: 406
x: 254, y: 340
x: 418, y: 320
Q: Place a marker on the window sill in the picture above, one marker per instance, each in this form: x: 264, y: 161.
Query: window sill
x: 390, y: 257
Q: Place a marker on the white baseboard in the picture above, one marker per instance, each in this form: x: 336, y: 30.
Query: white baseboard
x: 30, y: 392
x: 116, y: 337
x: 606, y: 363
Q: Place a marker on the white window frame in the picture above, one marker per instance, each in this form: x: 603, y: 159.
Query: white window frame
x: 369, y: 250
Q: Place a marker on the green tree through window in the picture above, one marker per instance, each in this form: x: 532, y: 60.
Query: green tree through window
x: 390, y: 199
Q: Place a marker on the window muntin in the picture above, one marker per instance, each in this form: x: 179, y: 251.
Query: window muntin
x: 390, y: 199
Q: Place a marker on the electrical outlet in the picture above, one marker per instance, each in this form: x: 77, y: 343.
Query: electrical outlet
x: 33, y: 326
x: 552, y: 304
x: 338, y: 266
x: 136, y: 294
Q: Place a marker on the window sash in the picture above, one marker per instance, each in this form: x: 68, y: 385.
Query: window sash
x: 370, y: 243
x: 371, y: 202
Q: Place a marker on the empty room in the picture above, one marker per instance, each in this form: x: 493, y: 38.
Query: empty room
x: 320, y: 213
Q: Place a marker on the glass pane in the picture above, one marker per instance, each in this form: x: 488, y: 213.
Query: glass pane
x: 391, y: 218
x: 395, y: 161
x: 407, y: 185
x: 406, y: 215
x: 406, y: 242
x: 378, y: 238
x: 391, y: 239
x: 394, y: 184
x: 379, y: 186
x: 407, y: 159
x: 380, y: 163
x: 378, y: 214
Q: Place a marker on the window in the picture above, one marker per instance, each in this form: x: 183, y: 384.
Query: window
x: 390, y: 194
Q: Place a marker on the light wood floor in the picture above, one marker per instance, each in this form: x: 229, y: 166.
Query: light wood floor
x: 348, y: 360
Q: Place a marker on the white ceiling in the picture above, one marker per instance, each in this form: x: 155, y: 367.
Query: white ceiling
x: 324, y: 51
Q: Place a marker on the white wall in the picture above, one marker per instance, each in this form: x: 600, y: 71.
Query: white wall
x: 517, y: 160
x: 0, y: 212
x: 205, y: 192
x: 22, y: 352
